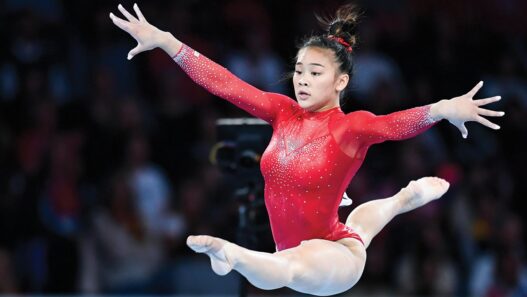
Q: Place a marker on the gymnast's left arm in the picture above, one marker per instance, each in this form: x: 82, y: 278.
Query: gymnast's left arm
x: 370, y: 129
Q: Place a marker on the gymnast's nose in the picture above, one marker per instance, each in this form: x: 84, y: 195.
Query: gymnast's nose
x: 302, y: 82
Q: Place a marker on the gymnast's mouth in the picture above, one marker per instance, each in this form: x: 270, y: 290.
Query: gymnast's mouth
x: 303, y: 95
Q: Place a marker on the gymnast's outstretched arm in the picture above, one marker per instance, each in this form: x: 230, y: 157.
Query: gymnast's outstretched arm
x: 213, y: 77
x: 371, y: 129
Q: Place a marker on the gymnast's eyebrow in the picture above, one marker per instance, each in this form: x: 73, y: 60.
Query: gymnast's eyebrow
x: 314, y: 64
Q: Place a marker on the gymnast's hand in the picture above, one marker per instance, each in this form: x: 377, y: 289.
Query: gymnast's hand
x: 463, y: 109
x: 147, y: 36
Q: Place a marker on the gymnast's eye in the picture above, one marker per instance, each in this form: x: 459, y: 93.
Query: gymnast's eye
x: 316, y: 73
x: 298, y: 72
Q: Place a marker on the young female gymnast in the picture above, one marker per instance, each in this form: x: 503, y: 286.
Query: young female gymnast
x: 314, y: 152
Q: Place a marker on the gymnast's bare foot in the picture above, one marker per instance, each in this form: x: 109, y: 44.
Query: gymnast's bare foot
x: 215, y: 249
x: 422, y: 191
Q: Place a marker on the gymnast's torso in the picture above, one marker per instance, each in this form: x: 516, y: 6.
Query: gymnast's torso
x: 306, y: 172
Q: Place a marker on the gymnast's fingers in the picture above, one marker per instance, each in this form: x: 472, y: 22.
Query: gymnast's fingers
x: 120, y: 23
x: 463, y: 129
x: 490, y: 113
x: 475, y: 89
x: 486, y: 101
x: 487, y: 123
x: 128, y: 16
x: 136, y: 50
x: 139, y: 13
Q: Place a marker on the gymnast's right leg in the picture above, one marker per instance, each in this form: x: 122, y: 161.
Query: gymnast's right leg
x: 273, y: 272
x: 317, y: 267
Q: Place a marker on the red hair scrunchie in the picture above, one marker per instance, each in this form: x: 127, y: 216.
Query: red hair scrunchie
x: 341, y: 41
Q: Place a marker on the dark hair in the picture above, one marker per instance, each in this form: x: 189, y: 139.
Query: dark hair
x: 341, y: 26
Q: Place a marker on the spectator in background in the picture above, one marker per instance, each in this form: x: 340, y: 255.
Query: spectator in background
x: 34, y: 51
x: 508, y: 80
x: 151, y: 191
x: 129, y: 257
x: 176, y: 122
x: 23, y: 229
x: 428, y: 269
x: 502, y: 270
x: 257, y: 64
x: 377, y: 78
x: 60, y: 207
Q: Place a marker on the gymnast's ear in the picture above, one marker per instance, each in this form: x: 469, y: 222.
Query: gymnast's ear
x: 342, y: 81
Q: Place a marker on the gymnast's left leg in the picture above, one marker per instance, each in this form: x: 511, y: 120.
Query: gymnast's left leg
x: 369, y: 218
x: 318, y: 267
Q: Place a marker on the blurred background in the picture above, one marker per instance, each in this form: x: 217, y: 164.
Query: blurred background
x: 104, y: 162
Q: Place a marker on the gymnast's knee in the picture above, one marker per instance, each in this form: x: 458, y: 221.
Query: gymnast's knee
x: 295, y: 270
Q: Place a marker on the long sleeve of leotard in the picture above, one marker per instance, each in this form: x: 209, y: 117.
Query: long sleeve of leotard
x: 366, y: 128
x: 222, y: 83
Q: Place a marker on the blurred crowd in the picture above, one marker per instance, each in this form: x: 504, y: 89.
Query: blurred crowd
x: 104, y: 162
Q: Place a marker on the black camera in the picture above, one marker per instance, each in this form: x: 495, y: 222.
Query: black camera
x: 241, y: 143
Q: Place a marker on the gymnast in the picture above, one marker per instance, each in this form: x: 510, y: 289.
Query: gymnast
x: 314, y: 152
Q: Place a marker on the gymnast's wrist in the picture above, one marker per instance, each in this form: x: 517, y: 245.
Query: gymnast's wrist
x: 169, y: 43
x: 437, y: 110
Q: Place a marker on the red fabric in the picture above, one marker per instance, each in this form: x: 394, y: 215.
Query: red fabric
x: 312, y: 156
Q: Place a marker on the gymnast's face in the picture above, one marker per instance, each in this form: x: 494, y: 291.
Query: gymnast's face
x: 317, y: 80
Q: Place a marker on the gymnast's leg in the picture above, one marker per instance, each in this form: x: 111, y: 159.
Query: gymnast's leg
x: 369, y: 218
x: 316, y: 266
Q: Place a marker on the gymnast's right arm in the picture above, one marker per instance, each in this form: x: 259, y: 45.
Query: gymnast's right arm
x: 213, y: 77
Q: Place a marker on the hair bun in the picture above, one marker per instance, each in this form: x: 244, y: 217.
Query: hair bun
x: 344, y: 23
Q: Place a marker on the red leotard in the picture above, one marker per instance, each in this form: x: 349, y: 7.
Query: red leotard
x: 312, y: 156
